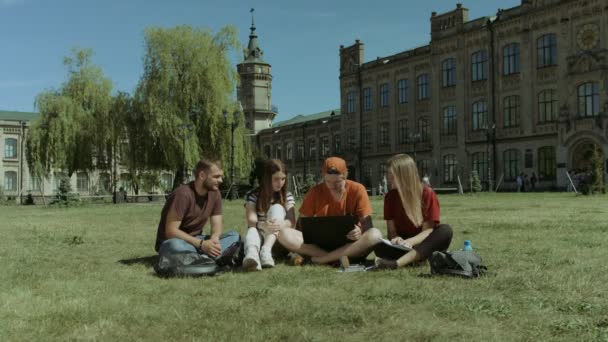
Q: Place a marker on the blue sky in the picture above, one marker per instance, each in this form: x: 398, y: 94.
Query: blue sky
x: 300, y: 39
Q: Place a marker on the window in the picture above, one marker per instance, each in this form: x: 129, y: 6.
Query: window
x: 423, y: 129
x: 528, y: 159
x: 547, y: 106
x: 449, y: 168
x: 105, y: 182
x: 384, y: 95
x: 383, y: 135
x: 325, y: 146
x: 381, y: 172
x: 480, y: 115
x: 350, y: 138
x: 267, y: 151
x: 277, y: 151
x: 35, y: 183
x: 82, y: 182
x: 449, y: 121
x: 300, y: 150
x: 546, y: 50
x: 367, y: 137
x: 448, y: 72
x: 350, y: 102
x: 546, y: 163
x: 588, y: 99
x: 510, y: 164
x: 510, y: 59
x: 479, y: 64
x: 402, y: 132
x: 166, y: 181
x: 337, y: 143
x: 10, y: 148
x: 423, y: 167
x: 402, y: 87
x: 367, y: 99
x: 510, y: 110
x: 423, y: 86
x: 289, y: 152
x: 10, y: 181
x: 312, y: 149
x: 367, y: 175
x: 479, y: 163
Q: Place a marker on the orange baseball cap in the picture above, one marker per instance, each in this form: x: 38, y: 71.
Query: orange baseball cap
x: 334, y: 163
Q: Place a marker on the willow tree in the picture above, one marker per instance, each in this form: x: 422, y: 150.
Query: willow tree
x: 74, y: 124
x: 187, y: 84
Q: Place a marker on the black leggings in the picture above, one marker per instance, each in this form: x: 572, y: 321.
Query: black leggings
x: 438, y: 240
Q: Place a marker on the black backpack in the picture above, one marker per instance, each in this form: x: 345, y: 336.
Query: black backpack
x: 193, y: 264
x: 466, y: 264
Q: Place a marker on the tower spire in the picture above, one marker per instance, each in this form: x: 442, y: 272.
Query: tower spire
x: 254, y: 53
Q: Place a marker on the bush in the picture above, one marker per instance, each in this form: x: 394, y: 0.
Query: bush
x: 65, y: 196
x: 594, y: 181
x: 475, y: 182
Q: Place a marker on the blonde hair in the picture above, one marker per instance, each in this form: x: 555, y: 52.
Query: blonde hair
x: 407, y: 183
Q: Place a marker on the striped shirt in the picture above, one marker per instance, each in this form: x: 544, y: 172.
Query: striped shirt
x: 252, y: 198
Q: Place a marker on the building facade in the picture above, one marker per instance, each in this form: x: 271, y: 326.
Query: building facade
x: 524, y: 91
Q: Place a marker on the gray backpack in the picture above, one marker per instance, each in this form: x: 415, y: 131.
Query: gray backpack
x: 187, y: 264
x: 466, y: 264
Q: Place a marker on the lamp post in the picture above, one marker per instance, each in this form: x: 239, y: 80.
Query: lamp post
x: 489, y: 137
x: 233, y: 125
x: 186, y: 129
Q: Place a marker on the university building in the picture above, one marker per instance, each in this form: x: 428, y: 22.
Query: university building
x: 522, y: 91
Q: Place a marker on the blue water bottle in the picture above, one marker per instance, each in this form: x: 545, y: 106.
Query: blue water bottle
x: 467, y: 246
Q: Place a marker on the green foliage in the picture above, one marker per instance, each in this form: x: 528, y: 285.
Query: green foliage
x: 74, y: 120
x: 188, y: 81
x: 65, y: 196
x: 475, y: 182
x: 150, y: 181
x: 594, y: 182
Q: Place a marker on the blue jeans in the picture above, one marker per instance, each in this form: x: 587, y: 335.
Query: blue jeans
x: 176, y: 245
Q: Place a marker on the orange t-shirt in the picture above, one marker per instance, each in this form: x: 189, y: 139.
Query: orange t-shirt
x: 320, y: 202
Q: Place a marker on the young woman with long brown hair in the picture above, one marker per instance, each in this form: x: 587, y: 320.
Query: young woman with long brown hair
x: 411, y: 211
x: 269, y: 208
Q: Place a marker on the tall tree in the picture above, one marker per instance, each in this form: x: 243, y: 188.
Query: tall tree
x: 73, y: 127
x: 188, y: 82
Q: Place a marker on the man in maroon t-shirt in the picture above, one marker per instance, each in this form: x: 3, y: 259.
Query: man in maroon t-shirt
x: 188, y: 209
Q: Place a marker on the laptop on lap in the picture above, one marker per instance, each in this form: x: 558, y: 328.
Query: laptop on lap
x: 327, y: 232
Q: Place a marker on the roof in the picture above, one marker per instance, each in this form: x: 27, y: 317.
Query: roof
x: 17, y: 116
x: 305, y: 118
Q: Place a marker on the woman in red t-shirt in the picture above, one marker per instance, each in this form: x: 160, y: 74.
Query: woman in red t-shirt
x: 411, y: 211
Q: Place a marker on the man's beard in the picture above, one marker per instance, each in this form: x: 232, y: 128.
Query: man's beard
x: 208, y: 184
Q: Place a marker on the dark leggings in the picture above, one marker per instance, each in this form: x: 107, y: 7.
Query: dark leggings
x: 438, y: 240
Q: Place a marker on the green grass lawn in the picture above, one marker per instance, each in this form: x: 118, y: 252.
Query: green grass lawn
x: 85, y: 274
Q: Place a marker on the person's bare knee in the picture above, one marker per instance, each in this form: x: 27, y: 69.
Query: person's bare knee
x: 372, y: 236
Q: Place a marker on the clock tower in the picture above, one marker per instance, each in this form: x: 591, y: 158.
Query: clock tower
x: 255, y: 86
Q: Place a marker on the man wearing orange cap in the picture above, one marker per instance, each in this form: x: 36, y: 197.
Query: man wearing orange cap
x: 334, y: 197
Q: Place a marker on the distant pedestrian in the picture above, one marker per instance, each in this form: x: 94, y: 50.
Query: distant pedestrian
x: 533, y: 182
x: 520, y: 182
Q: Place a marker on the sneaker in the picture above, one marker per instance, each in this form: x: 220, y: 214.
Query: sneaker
x: 266, y: 258
x: 295, y: 259
x: 385, y: 264
x: 251, y: 262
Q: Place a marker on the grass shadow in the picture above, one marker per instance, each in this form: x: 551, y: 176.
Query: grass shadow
x: 148, y: 261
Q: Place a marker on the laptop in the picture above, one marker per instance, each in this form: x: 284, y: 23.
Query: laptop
x: 327, y: 232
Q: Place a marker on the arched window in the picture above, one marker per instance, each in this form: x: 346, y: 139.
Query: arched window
x: 546, y: 50
x: 449, y: 168
x: 424, y: 129
x: 449, y: 121
x: 104, y: 182
x: 10, y: 148
x: 423, y: 86
x: 510, y: 59
x: 588, y: 99
x: 479, y: 65
x: 547, y: 106
x: 82, y: 182
x: 510, y: 111
x: 10, y: 181
x: 448, y: 72
x: 546, y: 163
x: 479, y: 163
x: 479, y: 115
x: 510, y: 164
x: 384, y: 95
